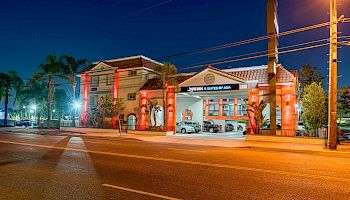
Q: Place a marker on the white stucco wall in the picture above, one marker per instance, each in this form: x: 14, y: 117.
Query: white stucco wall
x: 195, y: 104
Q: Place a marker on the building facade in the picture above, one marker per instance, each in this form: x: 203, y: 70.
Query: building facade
x: 122, y: 78
x: 220, y: 96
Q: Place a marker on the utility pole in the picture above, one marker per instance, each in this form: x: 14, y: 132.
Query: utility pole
x: 333, y: 77
x: 272, y: 31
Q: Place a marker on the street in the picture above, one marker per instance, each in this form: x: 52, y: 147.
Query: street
x: 62, y: 167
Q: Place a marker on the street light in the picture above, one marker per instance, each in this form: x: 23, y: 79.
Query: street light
x: 33, y: 109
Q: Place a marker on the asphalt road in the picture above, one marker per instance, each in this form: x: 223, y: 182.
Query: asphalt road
x: 60, y: 167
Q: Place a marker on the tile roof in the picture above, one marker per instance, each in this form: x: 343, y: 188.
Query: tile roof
x: 260, y: 74
x: 128, y: 62
x: 156, y: 83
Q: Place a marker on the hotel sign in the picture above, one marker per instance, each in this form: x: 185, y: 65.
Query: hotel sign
x: 210, y: 88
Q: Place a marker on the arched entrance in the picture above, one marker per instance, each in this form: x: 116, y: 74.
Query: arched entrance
x: 131, y: 122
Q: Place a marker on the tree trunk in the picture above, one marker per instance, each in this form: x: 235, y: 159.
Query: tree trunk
x: 6, y: 105
x: 49, y: 100
x: 74, y: 102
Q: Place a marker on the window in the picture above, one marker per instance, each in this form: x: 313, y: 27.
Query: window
x: 93, y: 89
x: 110, y: 79
x: 94, y: 81
x: 228, y: 107
x: 242, y: 108
x: 93, y: 100
x: 132, y: 96
x: 132, y: 72
x: 213, y: 109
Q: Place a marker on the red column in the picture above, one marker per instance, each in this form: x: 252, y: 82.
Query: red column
x: 115, y: 95
x: 288, y: 110
x: 142, y: 123
x: 171, y: 115
x: 84, y: 112
x: 206, y: 108
x: 220, y: 107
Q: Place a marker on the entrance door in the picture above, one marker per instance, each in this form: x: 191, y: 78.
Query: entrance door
x: 131, y: 122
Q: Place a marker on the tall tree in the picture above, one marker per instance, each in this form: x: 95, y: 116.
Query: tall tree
x: 71, y: 68
x: 313, y: 104
x: 108, y: 106
x: 308, y: 75
x: 344, y: 100
x: 51, y: 70
x: 165, y: 71
x: 9, y: 81
x: 35, y: 92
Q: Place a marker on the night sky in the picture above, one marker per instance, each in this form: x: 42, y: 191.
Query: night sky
x: 105, y: 29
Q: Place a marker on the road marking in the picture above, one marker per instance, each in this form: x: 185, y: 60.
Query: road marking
x: 270, y: 171
x: 139, y: 192
x: 198, y: 151
x: 340, y: 163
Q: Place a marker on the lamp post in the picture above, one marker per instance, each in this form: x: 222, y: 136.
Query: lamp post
x: 333, y: 77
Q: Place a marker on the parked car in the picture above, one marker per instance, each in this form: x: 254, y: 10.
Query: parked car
x: 26, y: 122
x: 343, y: 131
x: 268, y: 127
x: 301, y: 126
x: 345, y: 137
x: 194, y: 124
x: 183, y: 128
x: 229, y: 127
x: 210, y: 126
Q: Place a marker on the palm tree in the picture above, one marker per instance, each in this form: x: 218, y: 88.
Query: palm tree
x: 71, y: 68
x: 165, y: 71
x: 50, y: 70
x: 258, y: 118
x: 8, y: 82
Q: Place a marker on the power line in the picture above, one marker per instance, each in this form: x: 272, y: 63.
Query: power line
x: 145, y: 9
x: 257, y: 56
x: 258, y: 52
x: 228, y: 45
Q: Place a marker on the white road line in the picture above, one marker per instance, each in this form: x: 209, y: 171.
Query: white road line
x: 139, y: 192
x: 171, y: 160
x: 340, y: 163
x: 198, y: 151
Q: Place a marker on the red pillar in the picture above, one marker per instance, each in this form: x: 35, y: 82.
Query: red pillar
x: 115, y: 95
x: 171, y: 114
x: 85, y: 79
x: 220, y: 107
x: 142, y: 123
x: 288, y: 110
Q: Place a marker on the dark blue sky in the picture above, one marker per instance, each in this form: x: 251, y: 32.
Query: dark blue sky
x: 103, y: 29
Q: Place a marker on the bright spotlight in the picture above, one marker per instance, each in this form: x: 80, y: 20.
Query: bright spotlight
x: 76, y: 105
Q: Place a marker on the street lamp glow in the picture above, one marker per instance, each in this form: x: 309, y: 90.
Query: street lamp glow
x: 33, y: 107
x: 76, y: 105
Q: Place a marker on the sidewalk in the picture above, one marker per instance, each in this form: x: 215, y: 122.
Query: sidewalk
x: 293, y: 144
